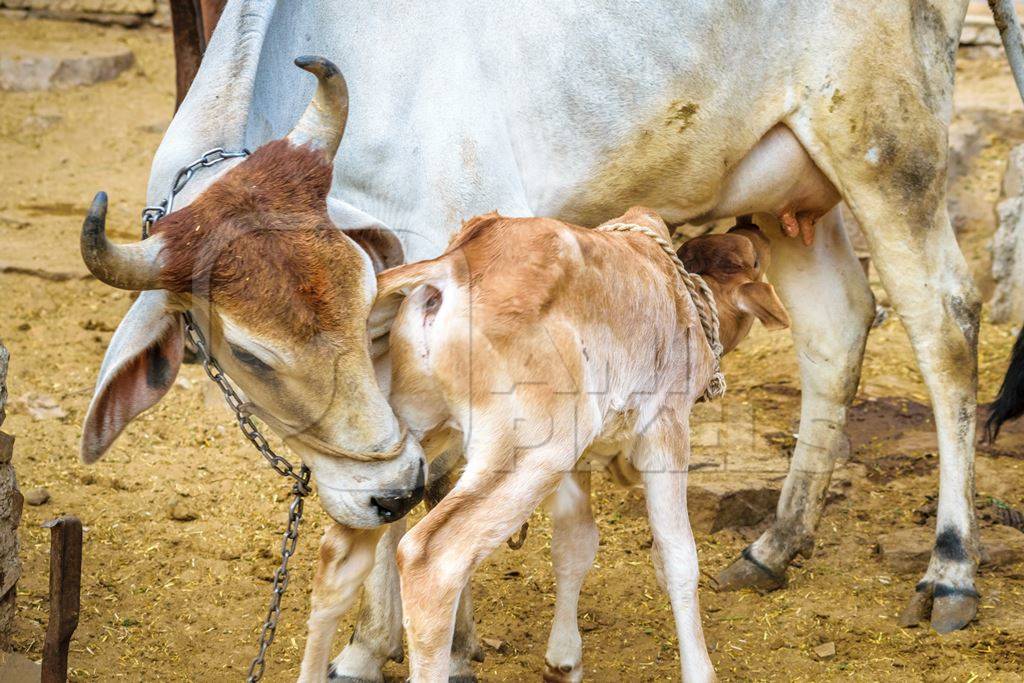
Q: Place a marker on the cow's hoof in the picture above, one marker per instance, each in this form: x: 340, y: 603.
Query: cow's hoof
x: 950, y: 608
x: 335, y: 678
x: 747, y: 572
x: 565, y: 673
x: 463, y: 678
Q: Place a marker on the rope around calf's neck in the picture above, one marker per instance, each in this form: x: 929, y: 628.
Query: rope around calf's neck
x: 700, y: 294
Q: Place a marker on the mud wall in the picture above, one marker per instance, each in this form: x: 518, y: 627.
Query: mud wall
x: 124, y: 12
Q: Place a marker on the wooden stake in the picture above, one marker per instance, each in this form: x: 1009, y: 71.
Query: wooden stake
x: 65, y: 588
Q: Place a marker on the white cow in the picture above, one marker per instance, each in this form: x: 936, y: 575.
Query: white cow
x: 696, y: 109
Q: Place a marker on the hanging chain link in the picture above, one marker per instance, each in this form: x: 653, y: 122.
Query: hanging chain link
x: 151, y: 214
x: 300, y: 479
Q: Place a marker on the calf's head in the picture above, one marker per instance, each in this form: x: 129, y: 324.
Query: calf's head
x: 733, y: 265
x: 282, y: 296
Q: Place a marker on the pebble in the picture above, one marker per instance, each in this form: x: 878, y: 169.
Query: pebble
x: 180, y: 509
x: 37, y: 496
x: 826, y: 650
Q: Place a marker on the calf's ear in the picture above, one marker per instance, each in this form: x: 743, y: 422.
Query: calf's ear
x: 760, y: 300
x: 141, y: 363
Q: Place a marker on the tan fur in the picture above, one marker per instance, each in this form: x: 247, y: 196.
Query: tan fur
x: 258, y: 243
x: 538, y: 339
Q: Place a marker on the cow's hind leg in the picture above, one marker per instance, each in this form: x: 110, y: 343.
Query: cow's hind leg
x: 892, y: 173
x: 831, y: 305
x: 436, y: 558
x: 574, y: 540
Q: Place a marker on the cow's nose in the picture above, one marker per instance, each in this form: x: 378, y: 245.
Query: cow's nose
x: 396, y: 505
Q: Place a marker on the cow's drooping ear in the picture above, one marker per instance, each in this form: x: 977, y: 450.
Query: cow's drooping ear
x: 376, y: 239
x: 760, y: 300
x: 139, y: 367
x: 381, y: 245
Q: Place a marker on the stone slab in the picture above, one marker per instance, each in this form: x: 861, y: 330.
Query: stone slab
x: 21, y: 69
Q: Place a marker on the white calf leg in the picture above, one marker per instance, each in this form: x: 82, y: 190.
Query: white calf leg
x: 378, y: 631
x: 346, y: 558
x: 574, y: 540
x: 661, y: 455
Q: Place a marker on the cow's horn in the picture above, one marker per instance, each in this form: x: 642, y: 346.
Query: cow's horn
x: 323, y: 122
x: 125, y: 266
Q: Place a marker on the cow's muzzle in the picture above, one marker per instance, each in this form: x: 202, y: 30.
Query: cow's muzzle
x: 396, y: 504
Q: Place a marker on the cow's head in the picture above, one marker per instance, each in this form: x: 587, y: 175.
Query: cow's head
x: 282, y: 296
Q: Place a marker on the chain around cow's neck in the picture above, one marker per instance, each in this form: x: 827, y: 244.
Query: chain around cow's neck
x: 703, y: 300
x: 300, y: 480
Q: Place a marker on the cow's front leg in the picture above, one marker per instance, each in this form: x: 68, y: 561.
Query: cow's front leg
x: 831, y: 305
x: 346, y: 558
x: 661, y: 456
x: 574, y: 540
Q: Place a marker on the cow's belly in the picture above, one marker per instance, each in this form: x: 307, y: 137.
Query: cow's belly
x: 774, y: 175
x: 778, y: 177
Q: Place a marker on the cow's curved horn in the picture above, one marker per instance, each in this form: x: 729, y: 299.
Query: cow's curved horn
x: 125, y: 266
x: 323, y: 122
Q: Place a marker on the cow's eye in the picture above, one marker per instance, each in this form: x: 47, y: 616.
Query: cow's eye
x: 757, y: 263
x: 249, y: 360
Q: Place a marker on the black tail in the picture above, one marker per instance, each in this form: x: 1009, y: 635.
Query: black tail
x: 1009, y: 404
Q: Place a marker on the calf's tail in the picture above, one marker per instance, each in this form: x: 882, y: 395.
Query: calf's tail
x: 1009, y: 404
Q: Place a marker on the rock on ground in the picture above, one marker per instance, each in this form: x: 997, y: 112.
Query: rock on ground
x: 724, y: 503
x: 18, y: 668
x: 22, y: 70
x: 37, y: 496
x: 908, y: 550
x: 180, y: 509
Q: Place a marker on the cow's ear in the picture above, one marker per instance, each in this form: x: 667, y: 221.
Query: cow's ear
x: 141, y: 363
x: 760, y: 300
x: 377, y: 240
x: 381, y: 244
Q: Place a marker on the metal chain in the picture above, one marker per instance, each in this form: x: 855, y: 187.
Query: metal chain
x: 151, y: 214
x: 300, y: 480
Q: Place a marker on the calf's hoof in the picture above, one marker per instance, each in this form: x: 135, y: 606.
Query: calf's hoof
x: 463, y: 678
x: 949, y: 608
x: 334, y: 677
x: 747, y: 572
x: 564, y: 673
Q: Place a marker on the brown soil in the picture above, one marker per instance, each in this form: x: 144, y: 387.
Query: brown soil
x: 169, y: 600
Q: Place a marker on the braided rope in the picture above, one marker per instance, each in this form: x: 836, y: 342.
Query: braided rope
x: 700, y: 294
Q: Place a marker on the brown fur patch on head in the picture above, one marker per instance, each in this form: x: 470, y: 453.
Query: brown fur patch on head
x: 259, y: 244
x: 722, y: 256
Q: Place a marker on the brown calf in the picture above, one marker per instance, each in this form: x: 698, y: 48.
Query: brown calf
x: 533, y: 340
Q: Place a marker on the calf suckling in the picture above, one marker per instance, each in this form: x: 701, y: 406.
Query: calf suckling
x: 533, y: 341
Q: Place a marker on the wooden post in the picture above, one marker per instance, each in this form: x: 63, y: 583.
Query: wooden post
x: 10, y: 518
x: 192, y: 22
x: 65, y: 587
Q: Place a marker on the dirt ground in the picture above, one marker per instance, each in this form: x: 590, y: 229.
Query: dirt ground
x: 181, y: 601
